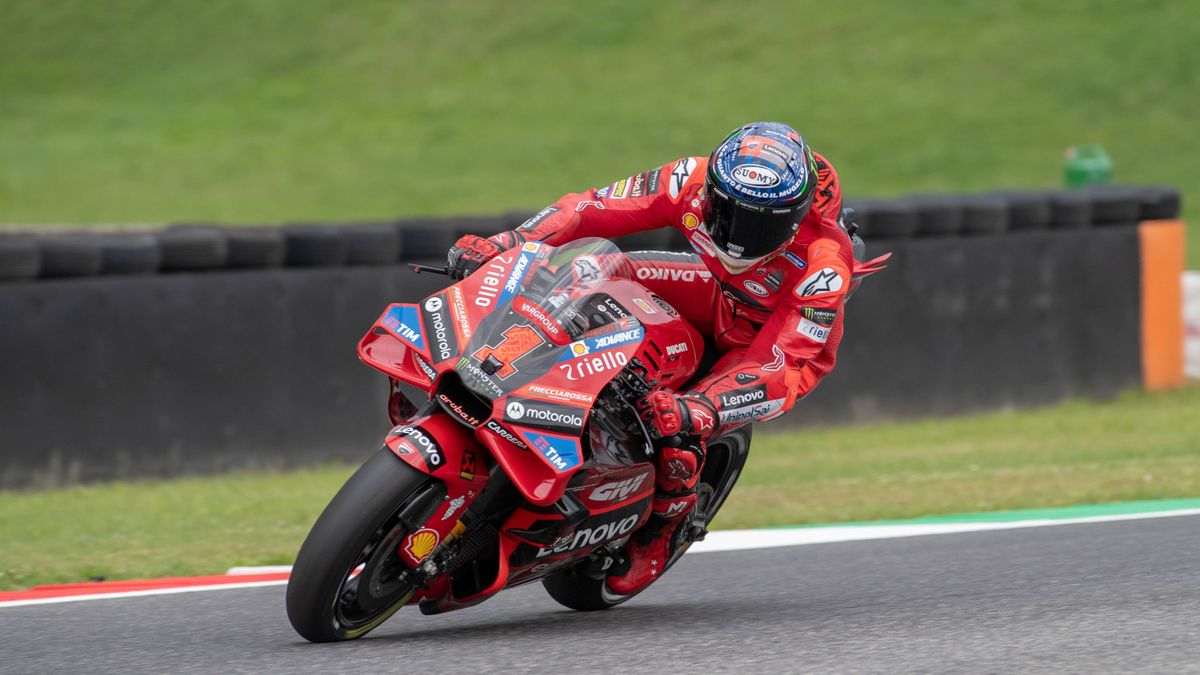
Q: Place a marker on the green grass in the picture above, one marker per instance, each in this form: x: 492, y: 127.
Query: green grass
x: 1142, y: 446
x: 269, y: 110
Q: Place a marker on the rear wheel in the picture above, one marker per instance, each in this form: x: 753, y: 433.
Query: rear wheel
x: 348, y: 577
x: 581, y: 588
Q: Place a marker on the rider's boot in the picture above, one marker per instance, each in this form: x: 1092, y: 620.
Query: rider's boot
x: 649, y: 548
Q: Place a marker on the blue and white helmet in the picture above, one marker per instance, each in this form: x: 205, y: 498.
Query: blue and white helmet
x: 760, y: 185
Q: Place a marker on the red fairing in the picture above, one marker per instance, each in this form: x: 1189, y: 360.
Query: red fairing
x: 439, y: 446
x: 778, y: 324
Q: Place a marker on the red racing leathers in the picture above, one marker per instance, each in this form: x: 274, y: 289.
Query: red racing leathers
x: 776, y: 325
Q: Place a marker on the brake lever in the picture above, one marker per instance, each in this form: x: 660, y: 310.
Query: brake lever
x: 418, y: 268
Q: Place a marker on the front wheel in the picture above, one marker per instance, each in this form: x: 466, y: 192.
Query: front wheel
x: 722, y: 467
x: 348, y: 577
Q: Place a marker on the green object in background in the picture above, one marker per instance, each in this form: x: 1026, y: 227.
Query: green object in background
x: 1087, y: 165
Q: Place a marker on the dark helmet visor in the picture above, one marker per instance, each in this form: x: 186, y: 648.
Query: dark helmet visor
x: 749, y: 232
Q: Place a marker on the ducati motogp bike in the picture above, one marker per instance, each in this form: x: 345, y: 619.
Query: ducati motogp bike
x: 524, y: 460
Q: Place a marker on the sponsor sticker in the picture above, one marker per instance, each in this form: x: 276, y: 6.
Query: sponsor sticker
x: 619, y: 190
x: 690, y: 221
x: 702, y: 420
x: 664, y: 274
x: 545, y: 415
x: 602, y: 342
x: 666, y: 306
x: 795, y: 259
x: 466, y: 469
x: 745, y: 378
x: 824, y: 280
x: 812, y: 330
x: 754, y: 175
x: 549, y: 326
x: 537, y: 218
x: 500, y: 431
x: 402, y: 321
x: 421, y: 543
x: 600, y: 193
x: 439, y: 329
x: 598, y: 364
x: 679, y: 175
x: 456, y: 408
x: 645, y: 306
x: 560, y: 394
x: 617, y: 490
x: 561, y: 453
x: 740, y: 397
x: 422, y: 443
x: 751, y: 412
x: 455, y: 505
x: 637, y: 186
x: 756, y: 288
x: 591, y: 536
x: 425, y: 367
x: 818, y: 315
x: 582, y: 206
x: 459, y: 307
x: 652, y: 181
x: 677, y: 349
x: 587, y: 269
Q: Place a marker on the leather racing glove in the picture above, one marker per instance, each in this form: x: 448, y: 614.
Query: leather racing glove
x: 470, y: 252
x: 668, y: 414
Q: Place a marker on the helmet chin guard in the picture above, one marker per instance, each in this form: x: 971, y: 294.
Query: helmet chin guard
x: 759, y: 186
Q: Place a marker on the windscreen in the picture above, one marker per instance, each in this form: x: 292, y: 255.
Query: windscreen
x: 550, y: 309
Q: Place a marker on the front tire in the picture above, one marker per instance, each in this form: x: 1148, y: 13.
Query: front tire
x: 348, y: 577
x: 726, y: 456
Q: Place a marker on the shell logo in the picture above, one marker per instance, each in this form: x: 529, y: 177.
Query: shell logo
x: 421, y: 543
x: 579, y: 349
x: 690, y: 221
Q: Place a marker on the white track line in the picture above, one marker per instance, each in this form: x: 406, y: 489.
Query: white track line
x: 722, y: 540
x: 138, y: 594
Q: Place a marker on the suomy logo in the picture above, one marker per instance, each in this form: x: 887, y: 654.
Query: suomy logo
x: 755, y: 175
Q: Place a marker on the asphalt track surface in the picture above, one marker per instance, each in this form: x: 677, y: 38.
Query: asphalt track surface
x: 1104, y: 597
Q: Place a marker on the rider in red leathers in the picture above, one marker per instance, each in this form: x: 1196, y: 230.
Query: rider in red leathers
x: 767, y: 283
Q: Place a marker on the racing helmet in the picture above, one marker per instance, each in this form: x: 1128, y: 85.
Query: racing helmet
x: 759, y: 186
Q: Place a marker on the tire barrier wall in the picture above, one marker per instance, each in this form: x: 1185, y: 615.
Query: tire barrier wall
x: 198, y: 349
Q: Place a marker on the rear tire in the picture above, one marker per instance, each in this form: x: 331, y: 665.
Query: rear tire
x: 726, y: 456
x: 360, y: 528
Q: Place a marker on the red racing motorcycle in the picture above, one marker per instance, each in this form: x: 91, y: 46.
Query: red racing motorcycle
x: 527, y: 460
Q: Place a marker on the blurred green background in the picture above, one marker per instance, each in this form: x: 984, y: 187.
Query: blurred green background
x: 271, y: 110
